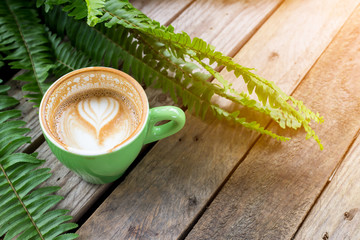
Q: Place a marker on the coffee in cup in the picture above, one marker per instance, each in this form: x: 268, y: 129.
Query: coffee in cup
x: 95, y: 120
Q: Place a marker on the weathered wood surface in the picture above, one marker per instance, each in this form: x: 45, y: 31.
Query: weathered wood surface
x: 207, y: 19
x: 286, y: 46
x: 336, y: 213
x: 271, y: 192
x: 171, y: 186
x: 162, y: 11
x: 79, y: 196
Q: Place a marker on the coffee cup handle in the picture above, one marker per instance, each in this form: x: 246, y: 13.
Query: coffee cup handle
x: 176, y: 118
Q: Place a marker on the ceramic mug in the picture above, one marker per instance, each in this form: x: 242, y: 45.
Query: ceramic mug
x: 102, y: 165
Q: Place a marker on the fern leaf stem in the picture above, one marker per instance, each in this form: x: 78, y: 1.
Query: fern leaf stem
x: 115, y: 43
x: 159, y: 53
x: 22, y: 203
x: 26, y: 46
x: 235, y: 98
x: 66, y: 65
x: 120, y: 18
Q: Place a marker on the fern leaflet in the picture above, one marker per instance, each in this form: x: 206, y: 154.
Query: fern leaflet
x: 67, y: 58
x: 94, y: 7
x: 25, y: 39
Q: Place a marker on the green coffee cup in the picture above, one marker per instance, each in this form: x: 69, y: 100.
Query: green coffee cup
x: 96, y: 120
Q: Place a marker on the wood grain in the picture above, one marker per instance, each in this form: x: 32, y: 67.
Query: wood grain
x: 162, y: 11
x: 271, y: 192
x: 235, y: 21
x: 171, y: 186
x: 336, y: 213
x: 285, y: 47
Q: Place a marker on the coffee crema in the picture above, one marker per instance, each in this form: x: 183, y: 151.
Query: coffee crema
x: 95, y: 120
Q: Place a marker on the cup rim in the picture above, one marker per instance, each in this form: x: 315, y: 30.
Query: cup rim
x: 143, y: 119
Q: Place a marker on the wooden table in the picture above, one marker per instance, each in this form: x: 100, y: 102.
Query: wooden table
x: 214, y: 181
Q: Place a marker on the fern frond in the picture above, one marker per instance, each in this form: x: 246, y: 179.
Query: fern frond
x: 160, y: 57
x: 141, y: 63
x: 74, y: 8
x: 121, y: 12
x: 24, y: 37
x: 90, y: 43
x: 67, y: 58
x: 94, y: 7
x: 272, y: 101
x: 24, y: 208
x: 18, y: 178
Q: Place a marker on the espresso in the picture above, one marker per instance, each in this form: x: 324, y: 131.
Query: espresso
x: 95, y: 120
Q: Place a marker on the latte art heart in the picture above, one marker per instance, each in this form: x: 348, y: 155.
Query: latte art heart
x: 98, y: 111
x: 95, y: 121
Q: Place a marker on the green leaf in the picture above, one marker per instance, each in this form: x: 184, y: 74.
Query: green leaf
x: 94, y: 12
x: 25, y: 40
x: 67, y: 57
x: 6, y: 101
x: 6, y: 115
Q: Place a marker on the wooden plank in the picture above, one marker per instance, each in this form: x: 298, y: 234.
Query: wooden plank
x: 271, y: 192
x: 171, y: 186
x: 79, y: 195
x: 162, y: 11
x: 235, y: 21
x: 336, y: 213
x: 283, y: 54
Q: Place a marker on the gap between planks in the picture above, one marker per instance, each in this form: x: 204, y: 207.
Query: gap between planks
x: 309, y: 217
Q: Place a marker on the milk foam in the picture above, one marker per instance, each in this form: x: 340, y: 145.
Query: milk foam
x: 98, y: 111
x: 95, y: 120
